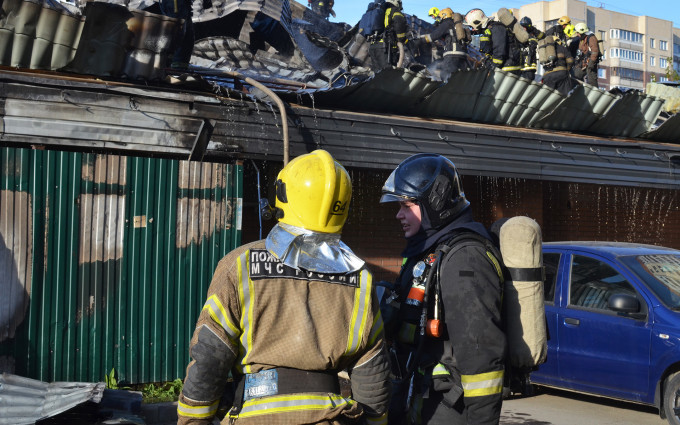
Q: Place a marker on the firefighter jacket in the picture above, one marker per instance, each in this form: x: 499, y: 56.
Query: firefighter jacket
x: 564, y: 60
x: 500, y: 45
x: 446, y: 30
x: 262, y: 316
x: 395, y: 26
x: 588, y: 50
x: 528, y: 50
x: 468, y: 359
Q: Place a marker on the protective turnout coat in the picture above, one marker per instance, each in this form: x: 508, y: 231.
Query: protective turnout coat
x: 462, y: 371
x: 263, y: 318
x: 501, y: 46
x: 445, y: 30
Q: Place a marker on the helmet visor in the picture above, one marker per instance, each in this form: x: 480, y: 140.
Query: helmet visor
x: 389, y: 191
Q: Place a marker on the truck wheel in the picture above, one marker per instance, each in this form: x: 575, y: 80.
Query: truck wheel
x: 671, y: 399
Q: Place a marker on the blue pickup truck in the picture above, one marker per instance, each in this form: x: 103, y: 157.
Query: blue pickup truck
x: 613, y: 314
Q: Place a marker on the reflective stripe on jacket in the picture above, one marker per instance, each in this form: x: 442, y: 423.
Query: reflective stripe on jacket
x: 260, y: 313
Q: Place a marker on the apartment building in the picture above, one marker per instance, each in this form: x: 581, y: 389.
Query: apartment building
x: 637, y: 49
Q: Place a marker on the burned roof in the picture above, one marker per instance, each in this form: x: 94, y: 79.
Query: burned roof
x: 310, y: 63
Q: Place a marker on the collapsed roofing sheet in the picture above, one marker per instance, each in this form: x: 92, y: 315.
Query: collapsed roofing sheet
x: 122, y: 42
x: 668, y: 131
x: 24, y: 401
x: 497, y: 97
x: 670, y: 93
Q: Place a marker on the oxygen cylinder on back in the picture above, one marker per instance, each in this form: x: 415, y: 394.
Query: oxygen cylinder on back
x: 461, y: 34
x: 546, y: 50
x: 506, y: 18
x: 524, y: 315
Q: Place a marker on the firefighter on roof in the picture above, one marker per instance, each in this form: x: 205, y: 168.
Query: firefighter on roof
x: 388, y: 49
x: 587, y: 56
x: 456, y: 40
x: 454, y: 374
x: 288, y: 313
x: 496, y: 41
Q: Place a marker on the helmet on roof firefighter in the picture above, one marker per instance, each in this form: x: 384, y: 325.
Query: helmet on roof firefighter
x: 433, y: 13
x: 395, y: 3
x: 564, y: 20
x: 476, y: 19
x: 526, y: 22
x: 581, y: 28
x: 446, y: 13
x: 433, y: 182
x: 313, y: 192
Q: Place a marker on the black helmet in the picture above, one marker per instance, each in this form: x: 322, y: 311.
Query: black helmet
x: 433, y: 181
x: 525, y: 22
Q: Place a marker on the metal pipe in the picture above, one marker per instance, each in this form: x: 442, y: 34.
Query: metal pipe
x: 279, y: 103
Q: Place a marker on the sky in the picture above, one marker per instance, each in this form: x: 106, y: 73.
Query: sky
x: 350, y: 11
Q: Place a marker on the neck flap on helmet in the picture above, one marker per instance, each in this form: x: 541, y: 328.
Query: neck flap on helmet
x: 312, y: 251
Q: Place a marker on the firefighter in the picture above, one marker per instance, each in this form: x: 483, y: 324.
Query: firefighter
x: 455, y: 378
x: 434, y: 14
x: 556, y: 74
x: 587, y: 56
x: 286, y: 314
x: 181, y: 9
x: 497, y: 42
x: 323, y: 7
x: 565, y: 32
x: 528, y: 50
x: 388, y: 50
x: 455, y: 47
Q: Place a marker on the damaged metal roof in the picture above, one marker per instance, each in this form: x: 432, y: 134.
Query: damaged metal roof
x: 69, y: 113
x: 24, y: 401
x: 325, y: 70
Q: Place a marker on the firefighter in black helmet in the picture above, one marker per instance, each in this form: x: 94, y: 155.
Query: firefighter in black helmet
x: 453, y: 374
x: 528, y: 50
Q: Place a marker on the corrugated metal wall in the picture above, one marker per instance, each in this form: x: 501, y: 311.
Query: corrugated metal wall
x: 105, y: 260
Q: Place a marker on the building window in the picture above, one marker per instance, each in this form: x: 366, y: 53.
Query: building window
x: 625, y: 54
x: 664, y: 79
x: 629, y: 36
x: 663, y: 63
x: 550, y: 24
x: 663, y: 45
x: 651, y: 42
x: 627, y: 73
x: 652, y: 61
x: 601, y: 73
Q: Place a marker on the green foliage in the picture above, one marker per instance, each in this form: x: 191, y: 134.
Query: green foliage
x: 112, y: 382
x: 151, y: 393
x: 671, y: 73
x: 157, y: 393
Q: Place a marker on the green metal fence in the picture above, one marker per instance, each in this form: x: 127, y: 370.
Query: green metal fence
x: 105, y: 261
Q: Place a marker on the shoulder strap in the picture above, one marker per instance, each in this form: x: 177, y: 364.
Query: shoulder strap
x: 459, y: 241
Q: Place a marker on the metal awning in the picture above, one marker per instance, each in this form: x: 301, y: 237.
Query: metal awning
x: 71, y: 113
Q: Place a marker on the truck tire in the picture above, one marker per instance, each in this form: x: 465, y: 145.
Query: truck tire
x: 671, y: 399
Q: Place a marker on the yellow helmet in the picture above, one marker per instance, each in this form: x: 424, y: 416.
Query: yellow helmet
x: 433, y: 12
x: 313, y: 192
x: 446, y: 13
x: 564, y: 20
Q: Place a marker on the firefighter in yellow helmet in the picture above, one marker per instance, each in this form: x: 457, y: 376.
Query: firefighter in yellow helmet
x: 284, y: 315
x: 587, y: 56
x: 565, y: 32
x: 455, y: 39
x: 434, y: 14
